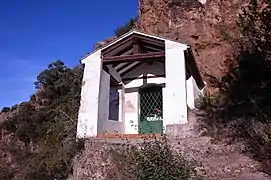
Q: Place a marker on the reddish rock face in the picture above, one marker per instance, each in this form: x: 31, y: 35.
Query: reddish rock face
x: 208, y: 26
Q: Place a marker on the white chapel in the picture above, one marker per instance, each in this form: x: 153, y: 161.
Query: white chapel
x: 138, y: 84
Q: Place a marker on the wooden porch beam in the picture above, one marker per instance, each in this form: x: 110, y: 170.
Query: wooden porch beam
x: 112, y: 78
x: 133, y: 58
x: 136, y: 46
x: 114, y: 82
x: 114, y: 73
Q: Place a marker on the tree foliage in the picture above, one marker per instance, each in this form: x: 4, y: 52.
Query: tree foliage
x: 125, y: 28
x: 244, y: 101
x: 5, y: 109
x: 52, y: 126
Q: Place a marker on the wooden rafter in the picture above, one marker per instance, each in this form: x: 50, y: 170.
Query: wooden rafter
x: 135, y: 42
x: 132, y: 58
x: 188, y: 71
x: 150, y: 40
x: 117, y: 66
x: 129, y: 52
x: 192, y: 67
x: 152, y: 48
x: 125, y: 50
x: 124, y: 66
x: 115, y: 47
x: 131, y: 67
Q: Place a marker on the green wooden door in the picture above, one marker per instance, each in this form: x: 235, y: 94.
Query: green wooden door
x: 151, y: 110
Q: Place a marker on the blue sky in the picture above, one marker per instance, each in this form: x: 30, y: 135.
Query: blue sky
x: 34, y: 33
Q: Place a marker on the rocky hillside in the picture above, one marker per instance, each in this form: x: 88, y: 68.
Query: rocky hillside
x: 207, y: 25
x: 211, y: 161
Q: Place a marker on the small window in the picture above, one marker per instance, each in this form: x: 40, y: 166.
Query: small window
x: 113, y: 104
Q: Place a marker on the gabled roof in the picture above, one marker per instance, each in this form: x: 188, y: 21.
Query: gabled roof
x: 128, y: 34
x: 122, y: 54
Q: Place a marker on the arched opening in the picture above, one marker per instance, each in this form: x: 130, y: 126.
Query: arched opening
x: 151, y: 110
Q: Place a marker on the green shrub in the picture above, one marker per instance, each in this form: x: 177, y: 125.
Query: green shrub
x: 153, y: 159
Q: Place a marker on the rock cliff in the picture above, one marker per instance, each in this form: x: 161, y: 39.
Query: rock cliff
x: 209, y: 26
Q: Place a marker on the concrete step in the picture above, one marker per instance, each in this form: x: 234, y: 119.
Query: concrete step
x: 181, y: 131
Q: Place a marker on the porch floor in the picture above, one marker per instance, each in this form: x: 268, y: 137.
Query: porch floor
x: 130, y: 136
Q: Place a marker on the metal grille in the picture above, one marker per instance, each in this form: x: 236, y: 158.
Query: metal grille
x: 151, y: 104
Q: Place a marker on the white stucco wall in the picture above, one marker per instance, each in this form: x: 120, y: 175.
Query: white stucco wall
x: 131, y: 108
x: 190, y: 93
x: 88, y: 111
x: 94, y: 105
x: 131, y: 112
x: 193, y: 92
x: 113, y: 127
x: 174, y: 94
